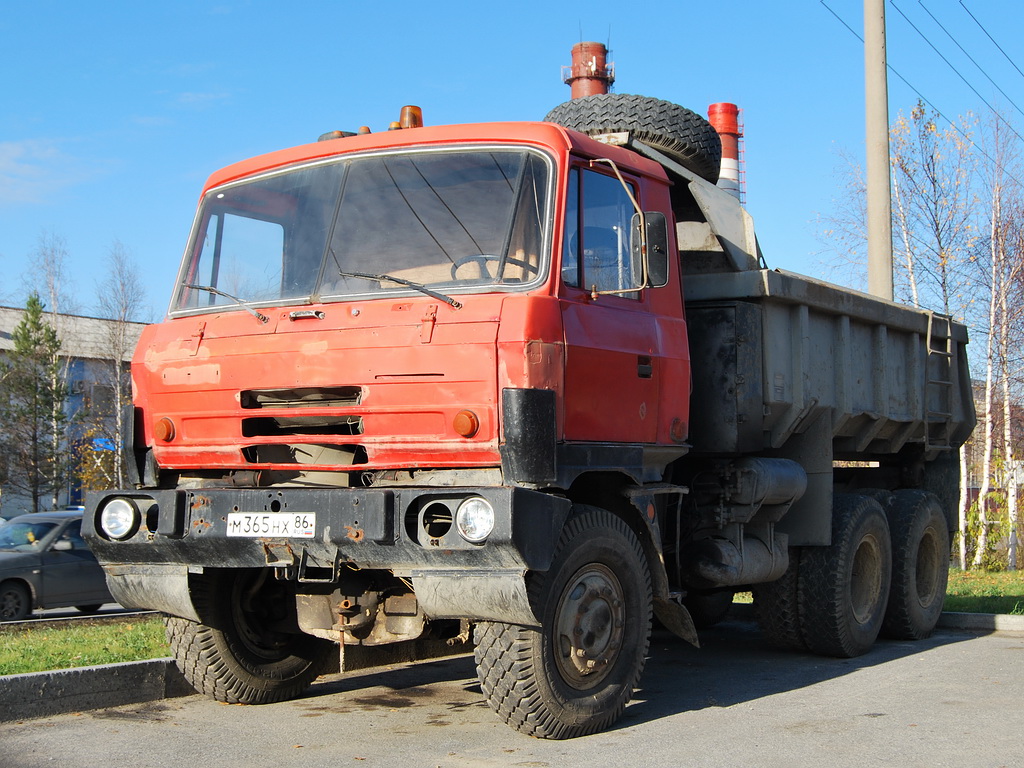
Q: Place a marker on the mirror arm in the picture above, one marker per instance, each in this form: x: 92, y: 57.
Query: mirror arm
x: 643, y: 227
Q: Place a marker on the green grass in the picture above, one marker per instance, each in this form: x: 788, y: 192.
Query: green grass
x: 985, y: 592
x: 80, y: 644
x: 85, y: 643
x: 973, y: 592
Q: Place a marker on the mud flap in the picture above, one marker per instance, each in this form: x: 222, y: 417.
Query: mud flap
x: 676, y: 619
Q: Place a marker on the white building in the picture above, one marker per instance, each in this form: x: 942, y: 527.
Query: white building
x: 86, y: 346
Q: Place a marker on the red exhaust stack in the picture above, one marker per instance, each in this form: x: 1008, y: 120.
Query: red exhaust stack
x: 590, y: 73
x: 724, y: 117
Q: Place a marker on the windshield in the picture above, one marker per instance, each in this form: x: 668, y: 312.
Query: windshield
x: 24, y: 537
x: 453, y: 221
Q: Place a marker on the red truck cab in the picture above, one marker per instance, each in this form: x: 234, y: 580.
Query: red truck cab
x: 360, y: 305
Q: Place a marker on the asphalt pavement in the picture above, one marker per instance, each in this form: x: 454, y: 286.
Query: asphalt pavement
x: 951, y: 700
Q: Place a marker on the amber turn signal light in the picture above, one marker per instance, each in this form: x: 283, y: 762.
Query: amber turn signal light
x: 163, y: 430
x: 466, y: 423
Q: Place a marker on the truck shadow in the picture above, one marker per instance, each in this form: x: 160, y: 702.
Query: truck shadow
x: 734, y: 665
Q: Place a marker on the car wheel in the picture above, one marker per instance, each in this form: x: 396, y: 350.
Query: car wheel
x: 15, y: 601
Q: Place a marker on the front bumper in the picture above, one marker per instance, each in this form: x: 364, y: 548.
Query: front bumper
x: 409, y: 531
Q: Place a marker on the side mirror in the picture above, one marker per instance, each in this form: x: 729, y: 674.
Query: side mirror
x: 62, y: 545
x: 656, y: 237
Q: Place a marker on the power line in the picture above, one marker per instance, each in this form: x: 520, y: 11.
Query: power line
x: 957, y: 71
x: 997, y: 45
x: 968, y: 55
x: 928, y: 101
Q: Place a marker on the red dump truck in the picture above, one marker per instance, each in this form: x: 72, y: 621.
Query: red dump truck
x: 530, y: 383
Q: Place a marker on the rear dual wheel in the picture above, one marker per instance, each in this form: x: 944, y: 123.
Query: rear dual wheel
x: 832, y: 600
x: 843, y: 589
x: 777, y: 610
x: 920, y: 543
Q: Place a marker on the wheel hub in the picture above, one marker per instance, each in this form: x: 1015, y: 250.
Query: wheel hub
x: 927, y: 568
x: 10, y: 605
x: 866, y: 583
x: 589, y: 624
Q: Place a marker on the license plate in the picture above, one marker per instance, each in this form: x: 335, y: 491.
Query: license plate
x: 276, y: 524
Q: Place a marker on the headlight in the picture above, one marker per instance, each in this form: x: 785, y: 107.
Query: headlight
x: 475, y: 519
x: 120, y: 519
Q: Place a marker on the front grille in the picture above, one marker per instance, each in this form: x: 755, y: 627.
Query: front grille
x: 305, y: 453
x: 305, y: 397
x: 278, y: 426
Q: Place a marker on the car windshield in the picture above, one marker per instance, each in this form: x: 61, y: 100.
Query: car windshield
x: 24, y: 537
x: 451, y: 220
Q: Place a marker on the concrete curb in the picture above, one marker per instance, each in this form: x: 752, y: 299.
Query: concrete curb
x: 982, y: 621
x: 43, y: 694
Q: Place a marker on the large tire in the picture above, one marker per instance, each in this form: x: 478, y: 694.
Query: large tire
x: 920, y: 565
x: 15, y: 601
x: 776, y: 607
x: 843, y: 588
x: 575, y: 674
x: 680, y: 133
x: 236, y: 656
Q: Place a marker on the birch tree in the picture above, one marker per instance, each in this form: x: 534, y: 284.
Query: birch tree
x: 121, y: 301
x: 935, y: 210
x: 1008, y: 218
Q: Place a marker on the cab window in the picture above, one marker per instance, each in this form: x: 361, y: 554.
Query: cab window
x: 596, y: 254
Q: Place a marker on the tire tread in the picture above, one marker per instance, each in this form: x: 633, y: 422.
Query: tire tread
x: 679, y: 132
x: 509, y: 670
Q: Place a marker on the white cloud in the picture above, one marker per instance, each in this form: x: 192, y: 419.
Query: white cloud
x: 32, y: 170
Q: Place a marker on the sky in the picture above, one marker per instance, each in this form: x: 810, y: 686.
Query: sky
x: 113, y: 114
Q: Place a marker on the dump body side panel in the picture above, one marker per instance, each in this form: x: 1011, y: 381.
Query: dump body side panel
x: 795, y: 368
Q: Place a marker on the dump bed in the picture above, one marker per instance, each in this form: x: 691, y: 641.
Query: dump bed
x: 773, y: 352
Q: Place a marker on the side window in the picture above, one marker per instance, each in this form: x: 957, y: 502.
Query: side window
x: 571, y: 236
x: 596, y: 253
x: 73, y: 533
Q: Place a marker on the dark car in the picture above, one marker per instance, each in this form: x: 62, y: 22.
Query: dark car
x: 44, y: 563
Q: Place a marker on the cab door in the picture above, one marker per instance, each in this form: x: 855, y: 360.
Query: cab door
x: 611, y: 336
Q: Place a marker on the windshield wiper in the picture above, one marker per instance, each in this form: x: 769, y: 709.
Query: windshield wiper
x: 402, y: 281
x: 210, y: 289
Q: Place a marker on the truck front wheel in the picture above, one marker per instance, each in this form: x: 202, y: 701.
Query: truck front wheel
x: 240, y: 655
x: 844, y: 588
x: 920, y: 568
x: 574, y: 675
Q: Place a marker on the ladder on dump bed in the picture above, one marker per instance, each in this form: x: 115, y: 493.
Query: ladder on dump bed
x: 938, y: 393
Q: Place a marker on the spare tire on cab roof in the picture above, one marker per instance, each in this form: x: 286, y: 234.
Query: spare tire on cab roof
x: 680, y: 133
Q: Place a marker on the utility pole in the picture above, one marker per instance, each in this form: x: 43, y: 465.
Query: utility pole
x: 876, y: 110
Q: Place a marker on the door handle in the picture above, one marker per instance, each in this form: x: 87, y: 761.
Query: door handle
x: 644, y: 367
